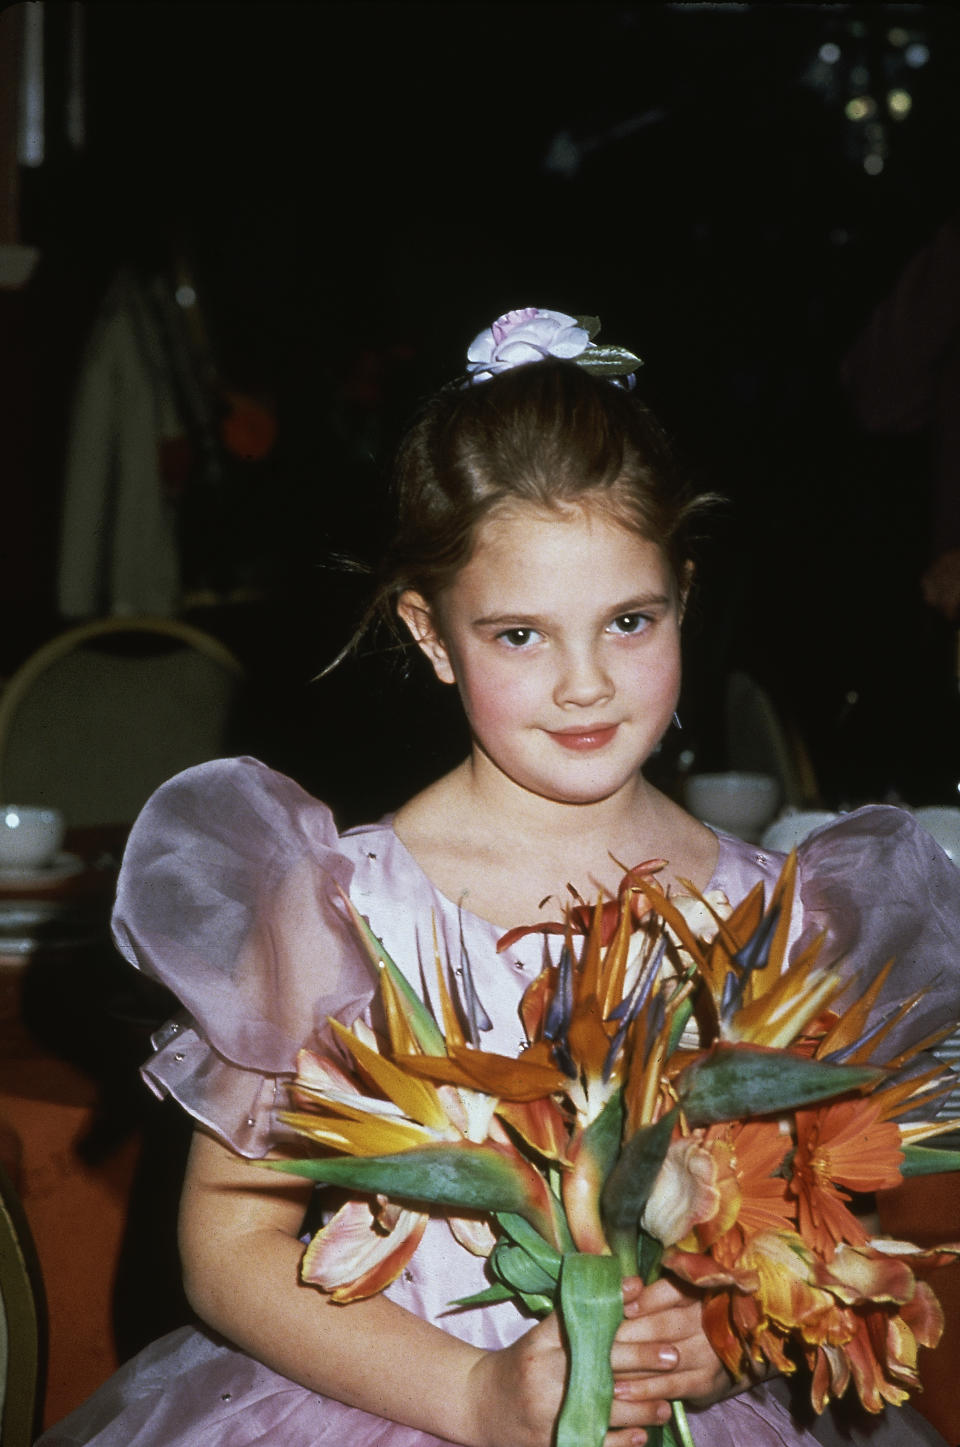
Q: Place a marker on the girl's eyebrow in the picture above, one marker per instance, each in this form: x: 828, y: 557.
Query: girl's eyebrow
x: 530, y: 620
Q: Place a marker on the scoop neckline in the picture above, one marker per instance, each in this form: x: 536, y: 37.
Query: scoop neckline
x: 387, y: 823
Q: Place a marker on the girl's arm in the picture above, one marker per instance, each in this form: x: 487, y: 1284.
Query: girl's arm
x: 241, y: 1257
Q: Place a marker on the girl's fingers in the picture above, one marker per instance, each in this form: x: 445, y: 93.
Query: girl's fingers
x: 661, y: 1351
x: 629, y: 1416
x: 696, y: 1386
x: 697, y: 1378
x: 661, y: 1295
x: 628, y: 1357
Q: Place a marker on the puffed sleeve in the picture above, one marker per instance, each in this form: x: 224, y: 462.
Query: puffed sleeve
x: 228, y: 896
x: 883, y: 889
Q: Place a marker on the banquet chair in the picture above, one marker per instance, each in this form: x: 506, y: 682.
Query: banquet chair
x: 103, y: 713
x: 760, y: 740
x: 22, y: 1324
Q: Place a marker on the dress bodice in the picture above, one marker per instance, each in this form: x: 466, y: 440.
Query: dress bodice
x: 229, y: 894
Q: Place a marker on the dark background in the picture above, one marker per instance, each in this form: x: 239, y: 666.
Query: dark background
x: 360, y: 188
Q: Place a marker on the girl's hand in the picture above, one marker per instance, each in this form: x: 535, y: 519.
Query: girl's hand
x: 661, y: 1352
x: 517, y: 1392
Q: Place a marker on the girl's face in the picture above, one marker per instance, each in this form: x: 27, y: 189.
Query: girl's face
x: 562, y: 633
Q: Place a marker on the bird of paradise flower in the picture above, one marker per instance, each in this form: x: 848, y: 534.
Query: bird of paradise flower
x: 686, y: 1103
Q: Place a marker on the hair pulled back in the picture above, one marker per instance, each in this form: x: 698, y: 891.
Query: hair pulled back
x: 547, y: 434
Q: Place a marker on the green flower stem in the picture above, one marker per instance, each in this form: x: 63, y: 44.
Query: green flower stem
x: 649, y: 1257
x: 677, y: 1432
x: 591, y: 1308
x: 662, y: 1436
x: 682, y: 1425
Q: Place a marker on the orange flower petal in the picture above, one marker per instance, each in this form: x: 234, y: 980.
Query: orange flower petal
x: 499, y: 1075
x: 540, y: 1123
x: 351, y: 1258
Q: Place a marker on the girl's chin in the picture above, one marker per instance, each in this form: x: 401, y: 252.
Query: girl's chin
x: 588, y: 790
x: 573, y: 777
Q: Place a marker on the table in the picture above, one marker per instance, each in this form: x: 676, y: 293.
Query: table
x: 50, y: 1102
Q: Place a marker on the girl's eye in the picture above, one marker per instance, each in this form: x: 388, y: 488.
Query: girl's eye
x: 628, y: 623
x: 517, y: 637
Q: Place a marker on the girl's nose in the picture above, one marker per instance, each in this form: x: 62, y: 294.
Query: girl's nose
x: 583, y: 681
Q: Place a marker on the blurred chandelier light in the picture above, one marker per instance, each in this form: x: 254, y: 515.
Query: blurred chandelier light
x: 866, y: 71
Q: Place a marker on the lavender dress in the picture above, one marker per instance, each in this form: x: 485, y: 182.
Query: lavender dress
x: 227, y: 896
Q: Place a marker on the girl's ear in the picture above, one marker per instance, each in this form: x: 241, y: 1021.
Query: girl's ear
x: 417, y: 614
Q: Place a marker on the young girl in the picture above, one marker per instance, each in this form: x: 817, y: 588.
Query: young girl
x: 542, y: 566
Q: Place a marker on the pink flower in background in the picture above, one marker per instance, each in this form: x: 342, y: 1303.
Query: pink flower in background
x: 519, y: 337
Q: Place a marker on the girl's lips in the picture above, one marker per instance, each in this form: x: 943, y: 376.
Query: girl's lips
x: 585, y: 740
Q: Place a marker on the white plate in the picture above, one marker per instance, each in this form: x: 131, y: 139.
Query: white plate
x: 27, y: 925
x: 62, y: 866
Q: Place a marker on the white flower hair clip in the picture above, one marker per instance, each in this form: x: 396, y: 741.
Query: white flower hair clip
x: 520, y: 337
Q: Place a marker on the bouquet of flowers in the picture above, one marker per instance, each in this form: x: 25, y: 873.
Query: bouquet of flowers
x: 685, y: 1104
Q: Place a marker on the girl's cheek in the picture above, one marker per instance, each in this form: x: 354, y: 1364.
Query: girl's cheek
x: 499, y: 691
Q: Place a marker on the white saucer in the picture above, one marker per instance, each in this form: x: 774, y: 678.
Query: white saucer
x: 61, y: 866
x: 29, y: 925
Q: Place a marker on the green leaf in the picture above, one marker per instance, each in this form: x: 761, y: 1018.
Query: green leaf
x: 538, y: 1305
x: 591, y: 325
x: 608, y: 361
x: 666, y: 1436
x: 490, y: 1296
x: 466, y: 1176
x: 523, y: 1234
x: 629, y: 1185
x: 511, y: 1265
x: 928, y: 1160
x: 426, y: 1031
x: 591, y: 1309
x: 649, y: 1256
x: 602, y: 1137
x: 677, y: 1025
x: 733, y: 1081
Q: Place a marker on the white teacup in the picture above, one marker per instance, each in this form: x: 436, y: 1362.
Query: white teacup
x: 943, y: 822
x: 734, y: 801
x: 30, y: 835
x: 793, y: 827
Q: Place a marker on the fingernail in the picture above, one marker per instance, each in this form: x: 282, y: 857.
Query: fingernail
x: 668, y: 1356
x: 664, y: 1412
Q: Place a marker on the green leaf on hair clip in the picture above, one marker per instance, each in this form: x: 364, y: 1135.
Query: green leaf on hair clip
x: 591, y: 325
x: 608, y: 361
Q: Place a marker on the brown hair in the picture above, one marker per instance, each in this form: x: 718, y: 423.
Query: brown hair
x: 548, y: 434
